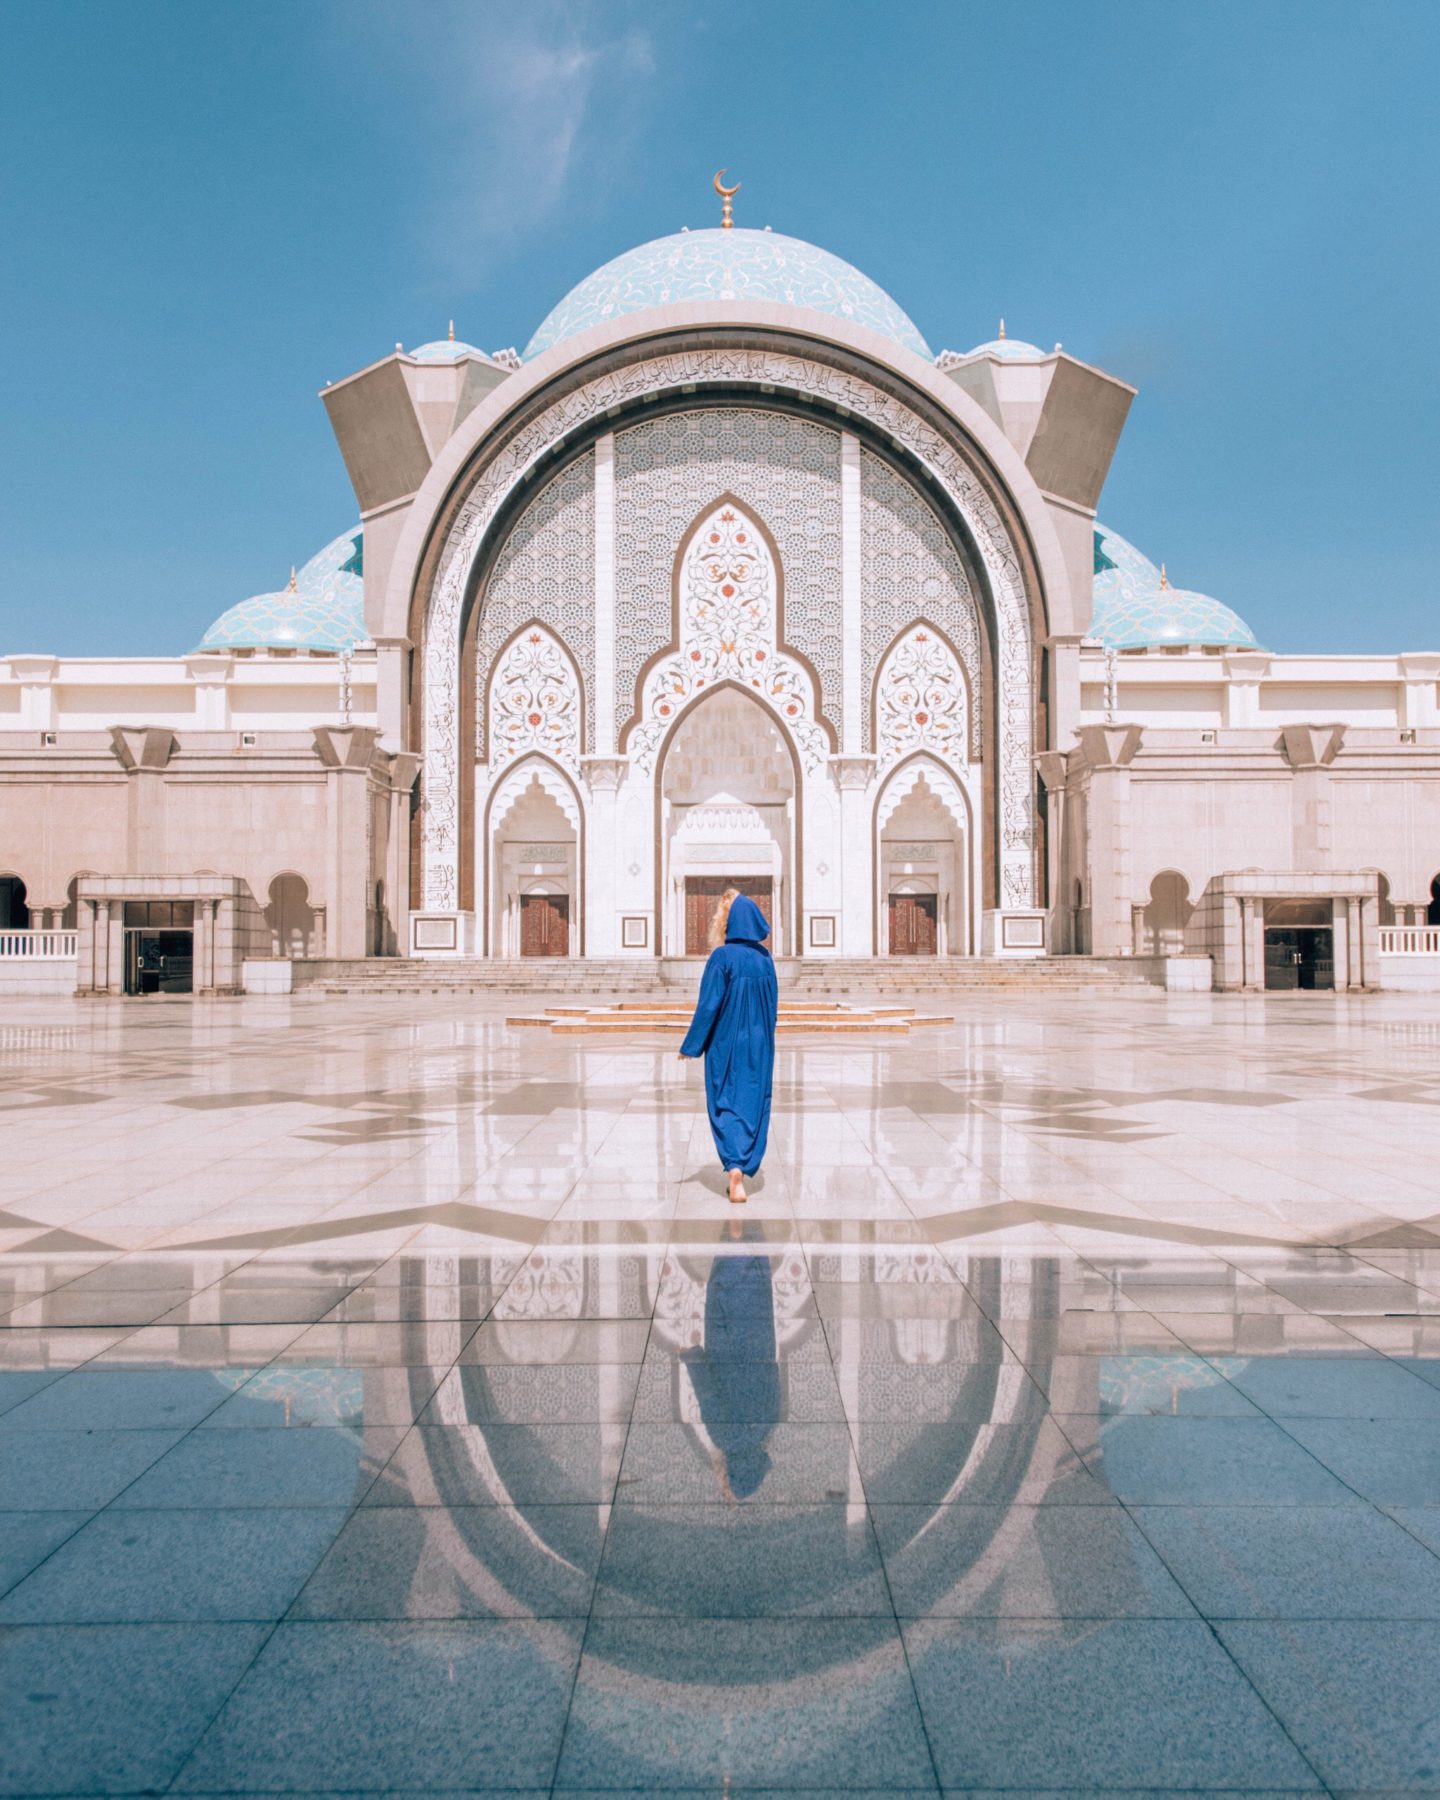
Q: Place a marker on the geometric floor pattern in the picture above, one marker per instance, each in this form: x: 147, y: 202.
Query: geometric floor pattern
x: 390, y: 1403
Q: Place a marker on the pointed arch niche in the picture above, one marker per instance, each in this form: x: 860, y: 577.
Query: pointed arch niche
x: 727, y: 628
x: 927, y: 861
x: 534, y: 841
x: 728, y: 788
x: 923, y: 700
x: 534, y: 700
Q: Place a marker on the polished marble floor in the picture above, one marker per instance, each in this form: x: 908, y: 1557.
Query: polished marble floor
x: 391, y: 1403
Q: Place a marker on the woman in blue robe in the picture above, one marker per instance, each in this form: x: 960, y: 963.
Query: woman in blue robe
x: 734, y: 1030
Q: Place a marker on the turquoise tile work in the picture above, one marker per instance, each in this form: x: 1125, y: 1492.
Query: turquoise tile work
x: 449, y: 1463
x: 323, y: 610
x: 715, y: 264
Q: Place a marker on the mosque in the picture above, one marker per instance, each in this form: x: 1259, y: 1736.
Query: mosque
x: 727, y: 578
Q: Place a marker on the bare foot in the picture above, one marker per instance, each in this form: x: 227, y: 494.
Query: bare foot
x: 737, y: 1188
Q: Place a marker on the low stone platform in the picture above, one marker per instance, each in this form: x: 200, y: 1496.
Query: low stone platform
x: 635, y: 1017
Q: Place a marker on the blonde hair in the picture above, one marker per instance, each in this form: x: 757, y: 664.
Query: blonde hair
x: 722, y: 917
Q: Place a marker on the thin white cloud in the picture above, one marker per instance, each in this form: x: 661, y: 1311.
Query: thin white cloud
x: 529, y: 108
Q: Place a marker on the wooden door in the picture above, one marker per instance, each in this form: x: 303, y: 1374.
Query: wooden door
x: 544, y: 924
x: 702, y: 894
x: 914, y: 925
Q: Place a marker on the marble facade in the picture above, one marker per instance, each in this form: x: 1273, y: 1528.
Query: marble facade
x: 728, y: 574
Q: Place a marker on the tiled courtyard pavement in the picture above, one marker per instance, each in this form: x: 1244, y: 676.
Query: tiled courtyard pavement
x: 389, y: 1402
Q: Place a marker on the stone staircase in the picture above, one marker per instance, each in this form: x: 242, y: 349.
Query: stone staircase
x: 801, y: 978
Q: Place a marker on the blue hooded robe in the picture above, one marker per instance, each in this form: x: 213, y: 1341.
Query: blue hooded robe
x: 734, y: 1030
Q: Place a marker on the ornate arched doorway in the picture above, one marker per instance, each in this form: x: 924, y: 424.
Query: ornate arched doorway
x: 728, y: 816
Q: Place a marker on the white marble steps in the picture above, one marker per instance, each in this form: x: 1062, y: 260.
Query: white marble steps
x: 563, y: 978
x: 635, y: 1017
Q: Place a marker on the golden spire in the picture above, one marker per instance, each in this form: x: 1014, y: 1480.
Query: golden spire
x: 452, y: 331
x: 727, y: 213
x: 1002, y: 331
x: 292, y: 578
x: 1164, y: 580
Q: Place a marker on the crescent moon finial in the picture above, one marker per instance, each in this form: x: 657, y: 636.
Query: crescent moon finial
x: 727, y: 212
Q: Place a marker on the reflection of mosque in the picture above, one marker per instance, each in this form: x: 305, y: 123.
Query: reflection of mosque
x: 927, y: 1404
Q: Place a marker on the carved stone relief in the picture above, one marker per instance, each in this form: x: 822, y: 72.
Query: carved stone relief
x: 786, y: 469
x: 920, y: 700
x: 534, y: 701
x: 758, y: 368
x: 727, y: 633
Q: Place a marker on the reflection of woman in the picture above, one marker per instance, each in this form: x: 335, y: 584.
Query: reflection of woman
x: 734, y: 1030
x: 736, y: 1376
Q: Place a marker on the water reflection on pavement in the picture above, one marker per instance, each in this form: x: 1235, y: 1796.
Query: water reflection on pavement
x: 529, y: 1466
x: 736, y: 1508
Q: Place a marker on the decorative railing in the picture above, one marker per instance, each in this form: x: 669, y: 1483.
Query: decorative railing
x: 38, y: 946
x: 1410, y: 940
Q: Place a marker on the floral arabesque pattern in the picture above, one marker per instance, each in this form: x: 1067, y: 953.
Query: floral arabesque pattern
x: 920, y: 700
x: 783, y: 468
x: 534, y: 702
x: 727, y: 633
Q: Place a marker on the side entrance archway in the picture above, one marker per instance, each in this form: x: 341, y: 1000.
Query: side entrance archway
x: 534, y: 863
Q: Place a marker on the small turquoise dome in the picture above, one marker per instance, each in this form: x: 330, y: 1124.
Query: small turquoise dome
x: 1136, y: 610
x: 1007, y: 349
x: 444, y: 350
x: 717, y: 264
x: 326, y: 611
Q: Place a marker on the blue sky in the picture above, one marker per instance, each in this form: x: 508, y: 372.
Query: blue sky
x: 209, y: 211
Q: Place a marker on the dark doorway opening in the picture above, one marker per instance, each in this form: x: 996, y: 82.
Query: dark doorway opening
x: 1299, y: 945
x: 914, y: 925
x: 702, y: 895
x: 159, y: 946
x: 544, y: 924
x: 14, y: 914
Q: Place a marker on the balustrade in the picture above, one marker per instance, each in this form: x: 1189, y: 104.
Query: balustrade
x: 1410, y: 940
x: 38, y: 946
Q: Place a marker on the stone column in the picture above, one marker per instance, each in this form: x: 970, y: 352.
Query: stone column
x: 144, y: 752
x: 1362, y: 941
x: 851, y: 600
x: 853, y: 775
x: 36, y: 676
x: 1064, y: 694
x: 202, y: 947
x: 212, y: 700
x: 1252, y: 916
x: 1051, y: 767
x: 604, y: 596
x: 601, y: 927
x: 403, y: 770
x: 1245, y: 670
x: 93, y: 920
x: 1421, y: 671
x: 346, y: 751
x: 392, y: 658
x: 1340, y: 938
x: 1108, y: 751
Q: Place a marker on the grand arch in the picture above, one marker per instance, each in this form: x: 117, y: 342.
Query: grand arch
x: 692, y: 369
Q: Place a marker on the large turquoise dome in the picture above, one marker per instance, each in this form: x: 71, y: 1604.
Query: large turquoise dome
x: 721, y: 264
x: 1136, y: 609
x: 324, y: 611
